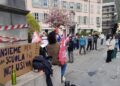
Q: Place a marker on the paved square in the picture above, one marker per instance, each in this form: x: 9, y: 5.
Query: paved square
x: 91, y: 69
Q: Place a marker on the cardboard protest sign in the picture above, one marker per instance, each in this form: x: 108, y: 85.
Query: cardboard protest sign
x: 18, y: 57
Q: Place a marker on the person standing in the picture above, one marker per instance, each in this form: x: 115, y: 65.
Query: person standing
x: 82, y: 44
x: 44, y: 43
x: 53, y: 50
x: 74, y: 41
x: 116, y: 47
x: 102, y: 38
x: 110, y: 45
x: 95, y: 38
x: 53, y: 47
x: 119, y: 41
x: 70, y: 50
x: 63, y: 57
x: 89, y: 45
x: 107, y: 36
x: 77, y: 41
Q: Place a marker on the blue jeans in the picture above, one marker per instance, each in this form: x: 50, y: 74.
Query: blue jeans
x: 63, y: 69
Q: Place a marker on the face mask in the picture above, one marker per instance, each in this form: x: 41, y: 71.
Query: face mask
x: 110, y: 37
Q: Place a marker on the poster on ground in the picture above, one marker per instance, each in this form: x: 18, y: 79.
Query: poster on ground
x: 18, y: 57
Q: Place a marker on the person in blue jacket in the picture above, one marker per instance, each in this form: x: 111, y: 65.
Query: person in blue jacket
x: 82, y: 44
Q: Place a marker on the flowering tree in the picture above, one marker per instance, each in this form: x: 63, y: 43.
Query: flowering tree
x: 58, y: 17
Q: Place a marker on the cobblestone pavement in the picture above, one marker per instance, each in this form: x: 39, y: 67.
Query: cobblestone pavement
x: 91, y: 69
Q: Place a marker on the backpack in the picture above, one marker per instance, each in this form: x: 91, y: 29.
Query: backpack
x: 95, y: 38
x: 89, y: 39
x: 37, y: 63
x: 42, y: 63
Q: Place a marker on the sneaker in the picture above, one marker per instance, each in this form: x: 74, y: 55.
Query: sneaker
x: 63, y: 79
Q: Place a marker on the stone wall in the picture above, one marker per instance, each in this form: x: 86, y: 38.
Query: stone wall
x: 38, y: 79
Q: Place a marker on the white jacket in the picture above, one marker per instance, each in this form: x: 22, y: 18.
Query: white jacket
x: 110, y: 44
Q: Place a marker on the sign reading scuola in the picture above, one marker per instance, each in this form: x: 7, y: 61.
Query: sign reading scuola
x: 18, y: 57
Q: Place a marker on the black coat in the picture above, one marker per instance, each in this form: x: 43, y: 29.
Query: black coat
x: 41, y: 63
x: 70, y: 45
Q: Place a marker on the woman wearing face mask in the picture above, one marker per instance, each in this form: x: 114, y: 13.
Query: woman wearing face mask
x: 110, y: 45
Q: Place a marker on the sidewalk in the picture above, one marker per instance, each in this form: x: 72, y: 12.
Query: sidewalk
x: 91, y: 69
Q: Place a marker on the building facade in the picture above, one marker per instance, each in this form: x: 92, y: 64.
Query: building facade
x: 88, y: 13
x: 108, y: 16
x: 12, y: 20
x: 116, y: 14
x: 117, y: 3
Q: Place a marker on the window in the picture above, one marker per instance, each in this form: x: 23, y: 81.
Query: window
x: 80, y: 19
x: 107, y: 9
x: 98, y: 21
x: 98, y: 9
x: 14, y: 3
x: 36, y: 16
x: 40, y: 3
x: 5, y: 18
x: 64, y: 4
x: 113, y: 9
x: 107, y: 23
x: 45, y: 16
x: 18, y: 4
x: 85, y: 20
x: 39, y: 16
x: 16, y: 17
x: 91, y: 20
x: 36, y: 3
x: 55, y: 3
x: 85, y: 8
x: 98, y: 1
x: 92, y: 8
x: 79, y: 6
x: 71, y: 5
x: 45, y: 3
